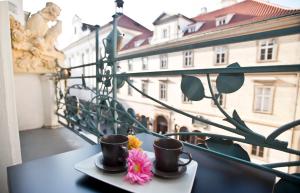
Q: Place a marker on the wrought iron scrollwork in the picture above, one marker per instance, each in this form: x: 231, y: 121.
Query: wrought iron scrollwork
x: 103, y: 114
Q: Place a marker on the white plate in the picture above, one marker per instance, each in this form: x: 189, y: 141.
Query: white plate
x: 183, y: 184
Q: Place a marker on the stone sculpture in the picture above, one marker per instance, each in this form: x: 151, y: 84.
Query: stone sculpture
x: 33, y: 45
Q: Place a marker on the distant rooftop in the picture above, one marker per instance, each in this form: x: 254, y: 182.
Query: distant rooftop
x: 244, y: 12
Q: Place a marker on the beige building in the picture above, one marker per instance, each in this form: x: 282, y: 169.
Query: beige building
x: 265, y: 102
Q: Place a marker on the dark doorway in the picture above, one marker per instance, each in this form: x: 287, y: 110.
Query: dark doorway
x: 184, y: 137
x: 161, y: 125
x: 197, y: 139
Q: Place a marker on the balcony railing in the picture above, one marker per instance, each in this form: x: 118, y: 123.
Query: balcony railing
x: 104, y: 114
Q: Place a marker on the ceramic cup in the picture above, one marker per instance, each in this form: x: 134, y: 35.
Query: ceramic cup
x: 167, y: 152
x: 114, y: 150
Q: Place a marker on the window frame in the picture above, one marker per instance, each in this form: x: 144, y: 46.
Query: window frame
x: 129, y: 88
x: 221, y: 21
x: 266, y: 48
x: 255, y: 151
x: 163, y: 82
x: 145, y: 83
x: 215, y: 90
x: 190, y: 58
x: 270, y: 111
x: 144, y: 66
x: 129, y: 65
x: 183, y: 97
x: 219, y: 50
x: 82, y: 63
x: 165, y: 33
x: 161, y: 57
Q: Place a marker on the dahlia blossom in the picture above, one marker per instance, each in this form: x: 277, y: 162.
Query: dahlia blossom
x: 133, y: 142
x: 139, y: 167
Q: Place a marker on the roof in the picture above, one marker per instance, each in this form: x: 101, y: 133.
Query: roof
x: 122, y: 21
x: 126, y: 22
x: 143, y: 36
x: 86, y: 26
x: 164, y: 17
x: 245, y: 12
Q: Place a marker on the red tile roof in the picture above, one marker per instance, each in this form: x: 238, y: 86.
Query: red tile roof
x: 143, y: 36
x: 247, y: 11
x: 127, y: 22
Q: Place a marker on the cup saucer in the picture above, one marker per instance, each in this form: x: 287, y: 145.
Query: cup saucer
x: 108, y: 169
x: 169, y: 175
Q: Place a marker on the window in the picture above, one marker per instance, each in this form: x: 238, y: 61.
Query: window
x: 267, y: 50
x: 145, y: 86
x: 75, y: 30
x: 195, y: 27
x: 129, y: 91
x: 257, y: 151
x: 186, y: 100
x: 129, y: 65
x: 118, y: 66
x: 163, y: 90
x: 221, y: 21
x: 163, y: 61
x: 82, y: 62
x: 188, y: 59
x: 191, y: 29
x: 221, y: 99
x: 221, y: 55
x: 263, y: 99
x: 165, y: 33
x: 138, y: 43
x: 145, y: 63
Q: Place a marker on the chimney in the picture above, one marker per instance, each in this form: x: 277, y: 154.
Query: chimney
x: 203, y: 10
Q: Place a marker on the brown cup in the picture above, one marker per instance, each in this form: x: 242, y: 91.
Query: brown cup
x: 114, y: 150
x: 167, y: 152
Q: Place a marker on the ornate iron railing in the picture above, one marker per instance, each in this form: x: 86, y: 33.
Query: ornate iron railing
x: 104, y: 114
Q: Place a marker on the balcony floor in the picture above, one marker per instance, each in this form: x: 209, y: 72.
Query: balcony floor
x: 39, y: 143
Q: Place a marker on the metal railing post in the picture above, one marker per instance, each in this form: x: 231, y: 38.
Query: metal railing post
x: 97, y: 72
x: 114, y: 80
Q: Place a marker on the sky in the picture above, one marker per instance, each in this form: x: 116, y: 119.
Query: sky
x: 143, y: 11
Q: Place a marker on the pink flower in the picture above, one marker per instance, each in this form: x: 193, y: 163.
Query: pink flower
x: 139, y: 167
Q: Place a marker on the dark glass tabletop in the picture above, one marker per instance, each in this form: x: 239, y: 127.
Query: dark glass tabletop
x: 56, y: 174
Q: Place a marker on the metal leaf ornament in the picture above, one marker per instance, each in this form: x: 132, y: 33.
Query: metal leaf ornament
x: 227, y: 147
x: 131, y: 112
x: 122, y: 114
x: 192, y: 88
x: 229, y: 82
x: 120, y: 81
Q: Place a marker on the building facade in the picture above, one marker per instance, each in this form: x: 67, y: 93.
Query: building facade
x: 82, y: 50
x: 265, y: 102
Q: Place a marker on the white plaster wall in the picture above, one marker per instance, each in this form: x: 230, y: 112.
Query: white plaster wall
x: 10, y: 152
x: 29, y: 97
x: 172, y: 30
x: 246, y: 54
x: 49, y: 101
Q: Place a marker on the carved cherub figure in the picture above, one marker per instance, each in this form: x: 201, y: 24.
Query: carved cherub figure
x: 38, y: 24
x: 33, y: 45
